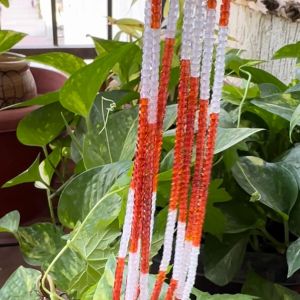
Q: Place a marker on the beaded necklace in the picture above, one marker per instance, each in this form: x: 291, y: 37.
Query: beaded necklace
x: 195, y: 76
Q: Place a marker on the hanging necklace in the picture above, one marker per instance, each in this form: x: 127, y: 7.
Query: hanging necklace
x: 196, y: 58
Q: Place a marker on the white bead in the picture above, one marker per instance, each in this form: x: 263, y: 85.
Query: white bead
x: 219, y: 70
x: 172, y: 19
x: 207, y: 54
x: 179, y: 250
x: 191, y: 273
x: 144, y: 292
x: 185, y: 265
x: 187, y: 29
x: 132, y: 276
x: 168, y: 240
x: 127, y: 224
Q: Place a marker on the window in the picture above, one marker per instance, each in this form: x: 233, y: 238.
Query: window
x: 65, y: 23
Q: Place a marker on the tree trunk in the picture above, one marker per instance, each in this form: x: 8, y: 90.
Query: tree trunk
x: 260, y: 35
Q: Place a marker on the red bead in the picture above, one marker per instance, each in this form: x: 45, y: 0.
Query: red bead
x: 200, y: 143
x: 158, y: 285
x: 179, y: 137
x: 188, y: 147
x: 118, y: 278
x: 171, y: 289
x: 156, y: 8
x: 211, y: 4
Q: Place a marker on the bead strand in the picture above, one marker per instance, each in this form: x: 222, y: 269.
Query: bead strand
x: 200, y: 214
x: 202, y: 179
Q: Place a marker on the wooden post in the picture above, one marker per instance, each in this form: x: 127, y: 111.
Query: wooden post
x: 260, y: 35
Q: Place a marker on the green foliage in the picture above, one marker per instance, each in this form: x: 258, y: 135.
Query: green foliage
x: 65, y: 62
x: 9, y: 38
x: 5, y: 3
x: 85, y: 190
x: 32, y: 174
x: 288, y: 51
x: 10, y: 222
x: 206, y: 296
x: 293, y: 257
x: 265, y: 290
x: 79, y: 92
x: 91, y: 124
x: 22, y: 284
x: 223, y: 259
x: 43, y: 125
x: 273, y: 184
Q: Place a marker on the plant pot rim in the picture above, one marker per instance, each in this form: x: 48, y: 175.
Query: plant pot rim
x: 13, y: 61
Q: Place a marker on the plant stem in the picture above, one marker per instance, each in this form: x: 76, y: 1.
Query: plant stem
x: 50, y: 205
x: 244, y: 96
x: 51, y: 164
x: 286, y: 233
x: 279, y: 246
x: 53, y: 295
x: 55, y: 193
x: 69, y: 242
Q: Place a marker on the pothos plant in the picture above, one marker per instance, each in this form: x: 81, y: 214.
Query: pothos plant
x: 89, y: 126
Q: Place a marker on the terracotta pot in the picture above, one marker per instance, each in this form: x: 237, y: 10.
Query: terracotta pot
x: 15, y: 157
x: 16, y: 80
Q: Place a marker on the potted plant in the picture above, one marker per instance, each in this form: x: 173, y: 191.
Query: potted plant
x: 96, y: 131
x: 20, y: 82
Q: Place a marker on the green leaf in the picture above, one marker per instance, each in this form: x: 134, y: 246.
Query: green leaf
x: 159, y: 231
x: 293, y: 257
x: 240, y: 216
x: 228, y: 137
x: 85, y: 190
x: 22, y: 284
x: 65, y: 62
x: 40, y: 242
x: 222, y: 259
x: 79, y: 92
x: 216, y: 194
x: 5, y: 3
x: 110, y: 141
x: 234, y: 94
x: 293, y: 89
x: 280, y: 105
x: 10, y: 222
x: 66, y: 270
x: 105, y: 286
x: 39, y: 100
x: 260, y: 76
x: 104, y: 46
x: 272, y: 184
x: 268, y: 89
x: 48, y: 165
x: 130, y: 65
x: 206, y: 296
x: 94, y: 246
x: 132, y: 27
x: 295, y: 120
x: 9, y: 38
x: 42, y: 125
x: 114, y: 140
x: 266, y: 290
x: 32, y: 174
x: 288, y: 51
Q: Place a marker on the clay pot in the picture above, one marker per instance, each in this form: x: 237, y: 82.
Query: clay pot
x: 16, y: 80
x: 15, y: 157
